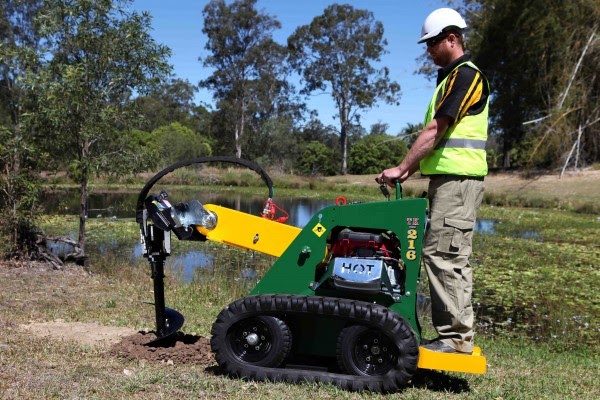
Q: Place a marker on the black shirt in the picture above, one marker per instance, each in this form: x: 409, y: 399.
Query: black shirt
x: 465, y: 93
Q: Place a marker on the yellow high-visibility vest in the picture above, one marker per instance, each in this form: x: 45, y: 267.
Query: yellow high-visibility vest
x: 462, y: 149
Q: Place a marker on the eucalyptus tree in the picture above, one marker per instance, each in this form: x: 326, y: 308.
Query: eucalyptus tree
x: 98, y: 54
x: 172, y: 101
x: 542, y: 61
x: 19, y: 41
x: 337, y: 52
x: 248, y: 81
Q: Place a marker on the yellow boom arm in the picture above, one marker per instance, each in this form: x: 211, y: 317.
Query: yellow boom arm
x: 249, y: 232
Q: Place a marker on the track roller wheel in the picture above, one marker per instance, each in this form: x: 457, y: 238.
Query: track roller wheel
x: 261, y: 341
x: 368, y: 351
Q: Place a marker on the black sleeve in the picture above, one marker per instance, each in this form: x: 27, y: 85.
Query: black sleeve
x: 465, y: 93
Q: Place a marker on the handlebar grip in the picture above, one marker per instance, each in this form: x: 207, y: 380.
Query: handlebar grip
x: 398, y: 190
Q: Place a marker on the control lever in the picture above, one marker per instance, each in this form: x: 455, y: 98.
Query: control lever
x: 385, y: 191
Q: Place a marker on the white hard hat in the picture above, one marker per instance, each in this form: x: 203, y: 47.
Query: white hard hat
x: 438, y: 20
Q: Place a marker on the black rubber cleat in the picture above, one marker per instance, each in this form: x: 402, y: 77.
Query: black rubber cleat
x: 441, y: 347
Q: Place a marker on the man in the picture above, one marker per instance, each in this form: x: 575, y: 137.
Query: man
x: 451, y: 151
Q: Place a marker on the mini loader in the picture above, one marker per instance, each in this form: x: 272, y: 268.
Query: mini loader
x: 339, y: 304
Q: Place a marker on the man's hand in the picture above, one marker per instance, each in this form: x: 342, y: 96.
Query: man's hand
x: 392, y: 175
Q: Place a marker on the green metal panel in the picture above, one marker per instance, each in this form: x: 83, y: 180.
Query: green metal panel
x: 296, y: 270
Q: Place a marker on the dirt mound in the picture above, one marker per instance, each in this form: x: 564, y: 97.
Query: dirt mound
x: 126, y: 343
x: 181, y: 349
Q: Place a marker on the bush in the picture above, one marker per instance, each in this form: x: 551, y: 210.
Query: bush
x: 374, y: 153
x: 317, y: 159
x: 178, y: 143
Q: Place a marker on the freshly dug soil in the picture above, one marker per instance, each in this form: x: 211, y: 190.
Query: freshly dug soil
x: 181, y: 349
x: 39, y: 283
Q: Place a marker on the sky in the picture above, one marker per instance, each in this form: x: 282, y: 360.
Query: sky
x: 178, y: 25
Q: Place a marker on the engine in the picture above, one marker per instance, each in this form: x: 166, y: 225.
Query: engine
x: 367, y: 262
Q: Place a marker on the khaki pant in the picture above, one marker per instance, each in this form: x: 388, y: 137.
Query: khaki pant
x: 453, y: 205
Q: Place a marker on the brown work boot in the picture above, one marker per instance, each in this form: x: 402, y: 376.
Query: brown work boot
x: 441, y: 347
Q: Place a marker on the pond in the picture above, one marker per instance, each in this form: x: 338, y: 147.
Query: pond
x: 122, y: 205
x: 119, y: 206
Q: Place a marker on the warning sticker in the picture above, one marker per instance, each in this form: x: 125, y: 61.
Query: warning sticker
x: 319, y: 230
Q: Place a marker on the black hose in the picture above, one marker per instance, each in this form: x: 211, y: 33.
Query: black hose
x: 234, y: 160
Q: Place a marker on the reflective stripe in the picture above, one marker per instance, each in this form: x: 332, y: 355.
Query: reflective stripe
x: 476, y: 144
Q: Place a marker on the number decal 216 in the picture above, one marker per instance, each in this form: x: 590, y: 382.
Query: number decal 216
x: 411, y: 235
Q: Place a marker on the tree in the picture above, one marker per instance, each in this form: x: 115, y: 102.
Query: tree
x: 248, y: 81
x: 335, y: 52
x: 541, y: 71
x: 314, y: 130
x: 178, y: 143
x: 172, y: 101
x: 98, y: 53
x: 275, y: 144
x: 376, y: 152
x: 316, y: 159
x: 410, y: 133
x: 19, y: 40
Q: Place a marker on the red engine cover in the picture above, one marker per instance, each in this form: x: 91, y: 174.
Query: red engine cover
x: 358, y: 244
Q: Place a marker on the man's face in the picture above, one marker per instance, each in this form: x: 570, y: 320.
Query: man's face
x: 439, y: 49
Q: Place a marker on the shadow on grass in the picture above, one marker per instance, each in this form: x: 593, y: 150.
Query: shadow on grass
x: 439, y: 382
x: 434, y: 381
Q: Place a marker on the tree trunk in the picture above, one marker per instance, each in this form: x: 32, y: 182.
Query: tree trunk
x: 505, y: 154
x: 240, y: 132
x: 344, y: 137
x: 83, y: 195
x: 238, y: 146
x: 344, y: 143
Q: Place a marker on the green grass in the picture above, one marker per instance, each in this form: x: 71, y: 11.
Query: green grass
x: 544, y: 286
x: 538, y: 314
x: 38, y: 368
x: 535, y: 277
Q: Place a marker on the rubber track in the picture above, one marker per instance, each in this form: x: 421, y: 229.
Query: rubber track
x: 367, y: 314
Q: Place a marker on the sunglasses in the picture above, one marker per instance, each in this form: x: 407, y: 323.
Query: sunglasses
x: 433, y: 41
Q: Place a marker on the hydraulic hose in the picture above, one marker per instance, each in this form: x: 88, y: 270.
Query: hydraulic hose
x: 202, y: 160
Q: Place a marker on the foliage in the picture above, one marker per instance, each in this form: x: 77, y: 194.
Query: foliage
x: 543, y: 68
x: 176, y: 143
x: 19, y: 157
x: 410, y: 133
x: 277, y: 142
x: 314, y: 130
x: 374, y: 153
x: 336, y: 51
x: 316, y: 159
x: 84, y: 82
x: 19, y: 196
x: 172, y: 101
x: 248, y: 81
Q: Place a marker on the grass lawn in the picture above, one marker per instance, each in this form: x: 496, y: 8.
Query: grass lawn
x: 538, y: 312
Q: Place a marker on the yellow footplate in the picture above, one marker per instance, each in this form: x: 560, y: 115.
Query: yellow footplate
x: 471, y: 363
